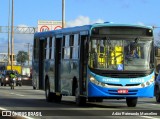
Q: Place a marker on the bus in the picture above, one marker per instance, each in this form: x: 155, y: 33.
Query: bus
x: 95, y: 62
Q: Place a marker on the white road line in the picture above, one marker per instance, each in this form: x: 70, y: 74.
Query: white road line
x: 1, y: 108
x: 17, y: 94
x: 149, y: 117
x: 153, y: 104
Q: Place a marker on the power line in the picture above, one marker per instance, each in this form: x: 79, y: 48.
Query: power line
x: 19, y: 30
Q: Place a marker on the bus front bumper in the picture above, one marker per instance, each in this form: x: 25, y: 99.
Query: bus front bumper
x: 97, y: 91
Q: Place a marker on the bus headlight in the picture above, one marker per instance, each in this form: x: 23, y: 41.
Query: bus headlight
x: 93, y: 80
x: 148, y: 82
x: 142, y: 85
x: 152, y: 79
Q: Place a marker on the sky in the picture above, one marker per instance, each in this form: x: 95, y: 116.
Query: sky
x: 77, y: 12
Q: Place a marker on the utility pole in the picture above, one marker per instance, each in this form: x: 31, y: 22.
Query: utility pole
x: 12, y: 34
x: 28, y: 45
x: 63, y: 13
x: 9, y: 34
x: 28, y: 52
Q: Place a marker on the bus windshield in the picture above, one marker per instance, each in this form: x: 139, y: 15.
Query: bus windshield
x: 117, y: 54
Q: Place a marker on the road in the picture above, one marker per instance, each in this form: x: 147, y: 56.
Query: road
x: 26, y: 101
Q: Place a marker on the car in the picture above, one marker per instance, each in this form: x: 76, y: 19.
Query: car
x: 157, y: 88
x: 5, y: 79
x: 1, y: 77
x: 18, y: 80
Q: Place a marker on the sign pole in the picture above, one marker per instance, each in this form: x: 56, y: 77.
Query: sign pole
x: 63, y: 13
x: 12, y: 34
x: 9, y: 35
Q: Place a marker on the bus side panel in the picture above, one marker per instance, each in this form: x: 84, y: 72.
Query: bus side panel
x: 69, y: 70
x: 35, y: 74
x: 35, y: 64
x: 50, y: 73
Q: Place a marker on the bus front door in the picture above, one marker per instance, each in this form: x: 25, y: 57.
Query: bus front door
x: 83, y: 64
x: 57, y: 64
x: 42, y: 53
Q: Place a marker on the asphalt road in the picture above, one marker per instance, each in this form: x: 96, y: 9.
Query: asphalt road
x: 28, y: 102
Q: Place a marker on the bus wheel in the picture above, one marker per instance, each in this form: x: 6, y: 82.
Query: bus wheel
x: 58, y: 98
x: 131, y: 102
x: 157, y: 95
x: 34, y: 87
x: 49, y: 95
x: 80, y: 100
x: 91, y: 100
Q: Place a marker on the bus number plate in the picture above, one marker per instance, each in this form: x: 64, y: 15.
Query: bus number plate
x: 122, y: 91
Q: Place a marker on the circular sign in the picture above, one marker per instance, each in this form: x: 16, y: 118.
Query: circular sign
x: 57, y: 27
x: 44, y: 28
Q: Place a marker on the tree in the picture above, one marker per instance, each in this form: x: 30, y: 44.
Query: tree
x: 22, y: 57
x: 157, y: 39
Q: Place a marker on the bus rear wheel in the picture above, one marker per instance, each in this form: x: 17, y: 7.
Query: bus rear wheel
x: 49, y: 95
x: 131, y: 102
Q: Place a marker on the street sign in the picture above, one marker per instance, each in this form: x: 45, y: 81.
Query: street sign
x: 45, y: 25
x: 44, y: 28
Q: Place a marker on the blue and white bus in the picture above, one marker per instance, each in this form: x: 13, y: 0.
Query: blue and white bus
x: 95, y: 62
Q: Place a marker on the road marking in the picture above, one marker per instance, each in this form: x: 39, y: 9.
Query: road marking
x: 1, y: 108
x: 17, y: 94
x: 149, y: 117
x: 153, y: 104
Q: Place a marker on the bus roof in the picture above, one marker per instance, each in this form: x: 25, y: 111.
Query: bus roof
x: 84, y: 28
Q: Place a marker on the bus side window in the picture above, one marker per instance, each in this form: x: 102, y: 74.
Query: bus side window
x: 47, y: 48
x: 71, y: 44
x: 66, y: 48
x: 50, y: 47
x: 53, y: 48
x: 35, y: 49
x: 75, y: 51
